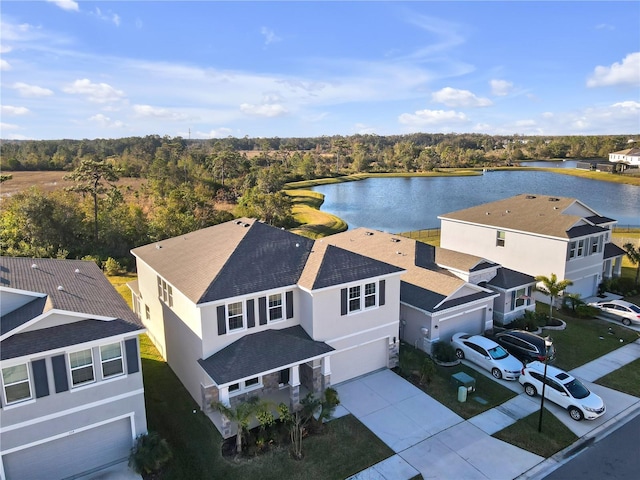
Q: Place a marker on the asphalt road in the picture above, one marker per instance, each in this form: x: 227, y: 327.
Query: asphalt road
x: 615, y: 457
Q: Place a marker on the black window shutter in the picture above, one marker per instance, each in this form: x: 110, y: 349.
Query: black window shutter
x: 222, y: 320
x: 131, y: 347
x: 40, y: 380
x: 289, y: 299
x: 60, y: 378
x: 251, y: 314
x: 343, y: 301
x: 381, y: 297
x: 262, y: 310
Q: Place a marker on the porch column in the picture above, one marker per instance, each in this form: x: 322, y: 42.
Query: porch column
x: 326, y: 372
x: 294, y: 387
x: 618, y: 267
x: 223, y: 396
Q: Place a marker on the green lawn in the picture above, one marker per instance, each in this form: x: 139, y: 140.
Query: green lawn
x: 626, y: 379
x: 345, y: 448
x: 440, y: 388
x: 554, y: 437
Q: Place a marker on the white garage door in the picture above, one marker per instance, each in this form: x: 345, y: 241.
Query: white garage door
x: 586, y: 287
x: 472, y: 322
x: 72, y: 454
x: 360, y: 360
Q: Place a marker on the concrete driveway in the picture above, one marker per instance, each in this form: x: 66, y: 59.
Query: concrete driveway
x: 428, y: 437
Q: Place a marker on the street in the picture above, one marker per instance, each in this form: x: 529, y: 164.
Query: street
x: 617, y: 456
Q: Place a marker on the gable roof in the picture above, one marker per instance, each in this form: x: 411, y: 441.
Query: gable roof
x: 229, y: 259
x: 260, y: 352
x: 506, y: 279
x: 540, y: 214
x: 68, y: 285
x: 611, y: 250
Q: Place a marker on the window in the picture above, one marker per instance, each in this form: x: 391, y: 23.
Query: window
x: 81, y: 364
x: 594, y: 245
x: 580, y: 248
x: 370, y: 295
x: 500, y: 238
x: 111, y: 358
x: 521, y: 297
x: 572, y: 250
x: 354, y: 299
x: 147, y: 312
x: 275, y: 307
x: 235, y: 317
x: 241, y: 387
x: 16, y: 383
x: 165, y: 292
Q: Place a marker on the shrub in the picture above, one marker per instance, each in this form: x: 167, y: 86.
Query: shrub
x: 443, y: 352
x: 427, y: 371
x: 586, y: 311
x: 150, y: 453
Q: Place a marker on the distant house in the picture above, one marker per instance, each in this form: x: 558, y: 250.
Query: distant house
x: 243, y: 309
x: 72, y: 394
x: 628, y: 158
x: 538, y: 235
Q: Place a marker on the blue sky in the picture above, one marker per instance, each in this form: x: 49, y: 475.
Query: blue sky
x: 204, y: 69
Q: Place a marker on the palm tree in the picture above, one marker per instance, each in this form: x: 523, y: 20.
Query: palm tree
x: 552, y: 288
x: 240, y: 415
x: 633, y: 254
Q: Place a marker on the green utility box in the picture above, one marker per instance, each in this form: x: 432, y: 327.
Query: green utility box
x: 461, y: 379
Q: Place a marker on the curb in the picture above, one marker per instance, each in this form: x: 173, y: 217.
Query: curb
x: 547, y: 466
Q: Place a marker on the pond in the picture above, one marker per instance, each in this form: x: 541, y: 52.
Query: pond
x: 402, y: 204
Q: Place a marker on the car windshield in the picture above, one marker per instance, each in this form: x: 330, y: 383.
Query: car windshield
x: 577, y: 390
x: 498, y: 352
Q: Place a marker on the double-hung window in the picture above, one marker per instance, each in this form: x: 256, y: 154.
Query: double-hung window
x: 370, y: 295
x: 354, y: 298
x: 580, y: 248
x: 572, y: 250
x: 81, y: 364
x: 275, y: 307
x: 111, y: 358
x: 165, y: 292
x: 16, y: 383
x: 594, y: 244
x: 235, y: 316
x: 500, y: 237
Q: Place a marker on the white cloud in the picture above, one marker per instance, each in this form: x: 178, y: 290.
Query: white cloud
x: 157, y: 112
x: 221, y: 132
x: 500, y: 88
x: 432, y: 117
x: 452, y: 97
x: 11, y: 110
x: 269, y: 36
x: 625, y: 73
x: 4, y: 65
x: 107, y: 17
x: 5, y: 48
x: 95, y: 92
x: 66, y: 4
x: 629, y: 105
x: 8, y: 126
x: 26, y: 90
x: 264, y: 110
x: 364, y: 129
x: 105, y: 121
x: 525, y: 123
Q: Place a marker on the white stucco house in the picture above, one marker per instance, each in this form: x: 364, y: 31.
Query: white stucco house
x: 242, y: 309
x: 72, y: 399
x: 629, y: 157
x: 538, y: 235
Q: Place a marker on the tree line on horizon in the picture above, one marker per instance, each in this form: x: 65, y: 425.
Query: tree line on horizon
x: 184, y: 184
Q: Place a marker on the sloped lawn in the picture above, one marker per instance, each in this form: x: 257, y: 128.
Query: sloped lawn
x: 626, y: 379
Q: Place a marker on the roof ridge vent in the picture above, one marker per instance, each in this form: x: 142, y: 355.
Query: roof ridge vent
x: 368, y: 233
x: 530, y: 197
x: 395, y: 240
x: 554, y: 199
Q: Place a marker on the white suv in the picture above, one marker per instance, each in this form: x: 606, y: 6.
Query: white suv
x: 562, y: 389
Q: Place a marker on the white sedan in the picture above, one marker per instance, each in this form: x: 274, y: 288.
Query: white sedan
x: 487, y: 354
x: 626, y: 312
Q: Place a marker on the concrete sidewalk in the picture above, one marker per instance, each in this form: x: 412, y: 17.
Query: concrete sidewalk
x: 430, y: 439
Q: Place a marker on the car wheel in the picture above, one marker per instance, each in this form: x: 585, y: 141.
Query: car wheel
x: 496, y: 373
x: 626, y: 321
x: 530, y: 390
x: 575, y: 413
x: 460, y: 354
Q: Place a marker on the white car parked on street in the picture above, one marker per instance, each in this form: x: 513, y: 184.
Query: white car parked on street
x: 563, y: 390
x: 487, y: 354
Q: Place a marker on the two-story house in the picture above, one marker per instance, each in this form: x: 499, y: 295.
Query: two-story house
x: 627, y: 158
x: 243, y: 308
x: 72, y: 398
x: 538, y: 235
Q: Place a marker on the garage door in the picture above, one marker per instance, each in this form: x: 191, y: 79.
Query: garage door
x: 71, y: 455
x: 360, y: 360
x: 586, y: 287
x: 472, y: 322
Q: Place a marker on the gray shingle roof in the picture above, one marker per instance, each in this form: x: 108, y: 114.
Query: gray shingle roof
x: 42, y: 340
x: 84, y: 290
x: 260, y: 352
x: 612, y: 250
x: 582, y: 230
x: 598, y: 220
x: 506, y: 279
